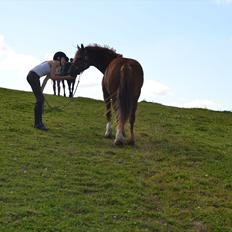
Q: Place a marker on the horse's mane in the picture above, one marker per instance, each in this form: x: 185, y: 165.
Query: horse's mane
x: 106, y: 48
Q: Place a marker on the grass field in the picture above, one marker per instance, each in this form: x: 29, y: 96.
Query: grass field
x: 178, y: 177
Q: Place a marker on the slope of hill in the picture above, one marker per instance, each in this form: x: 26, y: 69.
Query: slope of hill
x: 178, y: 177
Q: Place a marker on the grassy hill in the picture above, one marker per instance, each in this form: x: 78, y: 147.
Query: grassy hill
x: 178, y: 177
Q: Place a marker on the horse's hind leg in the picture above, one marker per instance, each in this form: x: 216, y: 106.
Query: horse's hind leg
x: 131, y: 141
x: 119, y: 138
x: 63, y: 84
x: 58, y: 87
x: 54, y: 87
x: 69, y: 88
x: 109, y: 131
x: 120, y: 133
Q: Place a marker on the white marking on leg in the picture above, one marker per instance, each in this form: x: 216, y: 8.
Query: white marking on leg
x: 119, y: 139
x: 109, y: 130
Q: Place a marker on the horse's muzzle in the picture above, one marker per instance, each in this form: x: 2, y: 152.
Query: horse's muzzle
x: 73, y: 71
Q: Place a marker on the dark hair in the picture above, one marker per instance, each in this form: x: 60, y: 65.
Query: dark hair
x: 58, y: 55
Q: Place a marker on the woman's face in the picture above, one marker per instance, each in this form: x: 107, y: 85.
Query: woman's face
x: 63, y: 61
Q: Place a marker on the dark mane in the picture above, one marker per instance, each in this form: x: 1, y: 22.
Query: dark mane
x: 105, y: 48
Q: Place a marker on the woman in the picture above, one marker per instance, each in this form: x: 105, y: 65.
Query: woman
x: 48, y: 69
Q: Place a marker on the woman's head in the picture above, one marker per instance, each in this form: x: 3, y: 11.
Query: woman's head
x: 61, y: 56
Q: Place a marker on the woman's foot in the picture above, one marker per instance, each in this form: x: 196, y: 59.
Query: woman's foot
x: 41, y: 126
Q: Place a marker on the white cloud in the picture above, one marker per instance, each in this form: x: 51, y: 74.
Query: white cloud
x: 14, y: 67
x: 47, y: 56
x: 205, y: 104
x: 152, y: 88
x: 10, y: 60
x: 3, y: 47
x: 222, y: 2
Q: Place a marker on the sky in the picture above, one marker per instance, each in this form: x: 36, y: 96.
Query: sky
x: 184, y: 46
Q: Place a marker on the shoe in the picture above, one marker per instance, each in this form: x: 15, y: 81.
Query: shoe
x: 41, y: 127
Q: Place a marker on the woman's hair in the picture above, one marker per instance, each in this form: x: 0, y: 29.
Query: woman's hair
x: 58, y: 55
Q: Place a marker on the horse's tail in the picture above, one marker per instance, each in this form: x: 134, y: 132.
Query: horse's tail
x: 124, y: 93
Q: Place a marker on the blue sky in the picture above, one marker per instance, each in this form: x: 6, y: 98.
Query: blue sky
x: 184, y: 46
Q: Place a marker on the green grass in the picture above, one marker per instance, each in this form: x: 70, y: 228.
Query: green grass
x: 178, y: 177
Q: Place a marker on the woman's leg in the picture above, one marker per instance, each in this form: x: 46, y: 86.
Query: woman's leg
x: 34, y: 81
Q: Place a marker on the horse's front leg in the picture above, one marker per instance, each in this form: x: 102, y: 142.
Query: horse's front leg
x: 58, y: 87
x: 72, y: 89
x: 54, y: 87
x: 69, y: 89
x: 107, y: 100
x: 63, y: 84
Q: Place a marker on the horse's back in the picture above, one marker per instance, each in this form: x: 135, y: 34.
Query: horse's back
x: 116, y: 70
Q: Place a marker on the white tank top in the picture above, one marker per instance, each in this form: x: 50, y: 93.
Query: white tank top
x: 42, y: 69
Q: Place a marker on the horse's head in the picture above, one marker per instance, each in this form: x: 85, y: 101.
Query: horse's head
x: 81, y: 61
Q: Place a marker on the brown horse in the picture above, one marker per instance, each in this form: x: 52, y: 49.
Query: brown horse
x: 121, y: 85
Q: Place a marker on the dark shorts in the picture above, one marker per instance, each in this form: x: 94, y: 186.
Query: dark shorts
x: 33, y: 80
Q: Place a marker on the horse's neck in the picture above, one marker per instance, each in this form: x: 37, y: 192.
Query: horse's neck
x: 102, y: 61
x: 100, y: 66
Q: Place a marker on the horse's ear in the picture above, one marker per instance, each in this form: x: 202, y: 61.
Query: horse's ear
x: 82, y: 46
x: 78, y: 47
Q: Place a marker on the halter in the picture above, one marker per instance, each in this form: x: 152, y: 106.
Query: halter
x: 84, y: 63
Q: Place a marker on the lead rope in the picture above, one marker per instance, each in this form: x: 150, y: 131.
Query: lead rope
x: 65, y: 105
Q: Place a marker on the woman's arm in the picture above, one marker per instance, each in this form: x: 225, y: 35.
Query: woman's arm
x: 66, y: 78
x: 53, y: 76
x: 54, y: 65
x: 45, y: 82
